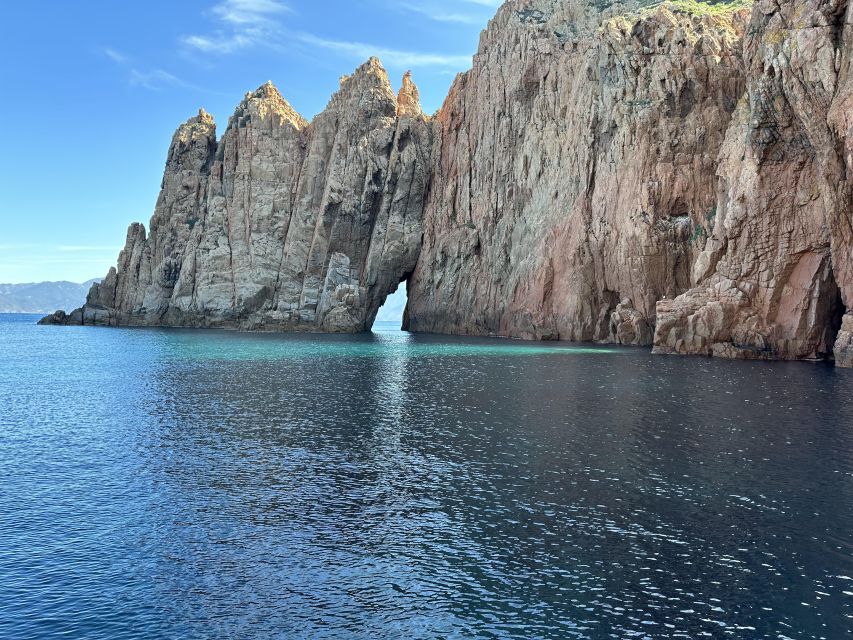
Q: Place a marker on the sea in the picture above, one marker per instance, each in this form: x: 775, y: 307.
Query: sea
x: 165, y: 483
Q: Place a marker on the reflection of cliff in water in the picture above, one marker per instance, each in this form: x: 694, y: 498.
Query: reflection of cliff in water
x: 411, y: 475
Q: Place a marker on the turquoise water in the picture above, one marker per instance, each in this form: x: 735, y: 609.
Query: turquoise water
x: 184, y: 484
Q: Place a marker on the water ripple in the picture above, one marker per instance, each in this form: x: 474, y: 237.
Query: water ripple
x: 175, y: 484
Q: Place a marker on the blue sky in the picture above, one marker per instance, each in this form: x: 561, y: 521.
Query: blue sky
x: 92, y: 90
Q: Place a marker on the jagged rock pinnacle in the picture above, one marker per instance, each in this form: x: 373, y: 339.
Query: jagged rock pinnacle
x: 409, y: 98
x: 265, y: 102
x: 368, y: 84
x: 192, y: 141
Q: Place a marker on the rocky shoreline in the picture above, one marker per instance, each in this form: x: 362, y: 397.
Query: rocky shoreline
x: 675, y: 175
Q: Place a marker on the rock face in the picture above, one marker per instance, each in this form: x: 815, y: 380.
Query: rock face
x: 614, y: 175
x: 574, y: 171
x: 281, y: 224
x: 844, y: 343
x: 767, y: 282
x: 676, y: 174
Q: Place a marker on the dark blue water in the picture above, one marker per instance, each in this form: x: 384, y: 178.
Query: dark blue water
x: 178, y: 484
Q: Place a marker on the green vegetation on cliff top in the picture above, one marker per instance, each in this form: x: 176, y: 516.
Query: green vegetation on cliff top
x: 700, y: 7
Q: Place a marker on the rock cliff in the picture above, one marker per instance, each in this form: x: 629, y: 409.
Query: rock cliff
x: 574, y: 171
x: 775, y: 272
x: 281, y: 224
x: 674, y: 174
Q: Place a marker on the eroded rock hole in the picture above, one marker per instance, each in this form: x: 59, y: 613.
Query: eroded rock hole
x: 679, y: 210
x: 392, y: 312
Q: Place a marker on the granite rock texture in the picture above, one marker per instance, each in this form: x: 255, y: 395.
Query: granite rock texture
x: 844, y: 343
x: 674, y: 174
x: 280, y: 225
x: 665, y: 175
x: 574, y: 171
x: 775, y: 272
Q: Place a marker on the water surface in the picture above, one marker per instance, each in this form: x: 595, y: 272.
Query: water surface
x: 184, y: 484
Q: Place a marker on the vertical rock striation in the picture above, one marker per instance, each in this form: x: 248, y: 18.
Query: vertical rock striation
x: 767, y: 282
x: 574, y: 171
x: 625, y: 172
x: 281, y: 224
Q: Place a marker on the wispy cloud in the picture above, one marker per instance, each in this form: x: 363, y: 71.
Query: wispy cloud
x: 440, y: 15
x: 465, y: 12
x: 242, y: 12
x: 155, y: 79
x: 241, y: 24
x: 150, y: 79
x: 115, y: 55
x: 390, y: 57
x: 244, y: 24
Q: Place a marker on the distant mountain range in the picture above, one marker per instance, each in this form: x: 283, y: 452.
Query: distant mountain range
x: 43, y: 297
x: 47, y: 297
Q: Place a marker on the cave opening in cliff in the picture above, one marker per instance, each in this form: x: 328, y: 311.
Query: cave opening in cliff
x: 834, y: 319
x: 392, y: 311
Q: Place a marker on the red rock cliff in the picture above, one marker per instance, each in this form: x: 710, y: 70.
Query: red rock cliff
x: 676, y: 174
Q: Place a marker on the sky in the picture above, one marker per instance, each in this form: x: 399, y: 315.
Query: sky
x: 91, y: 92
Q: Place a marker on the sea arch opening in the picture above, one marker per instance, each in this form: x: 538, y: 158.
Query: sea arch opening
x: 390, y: 314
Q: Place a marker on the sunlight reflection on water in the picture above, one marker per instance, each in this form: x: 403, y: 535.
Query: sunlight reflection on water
x: 167, y: 483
